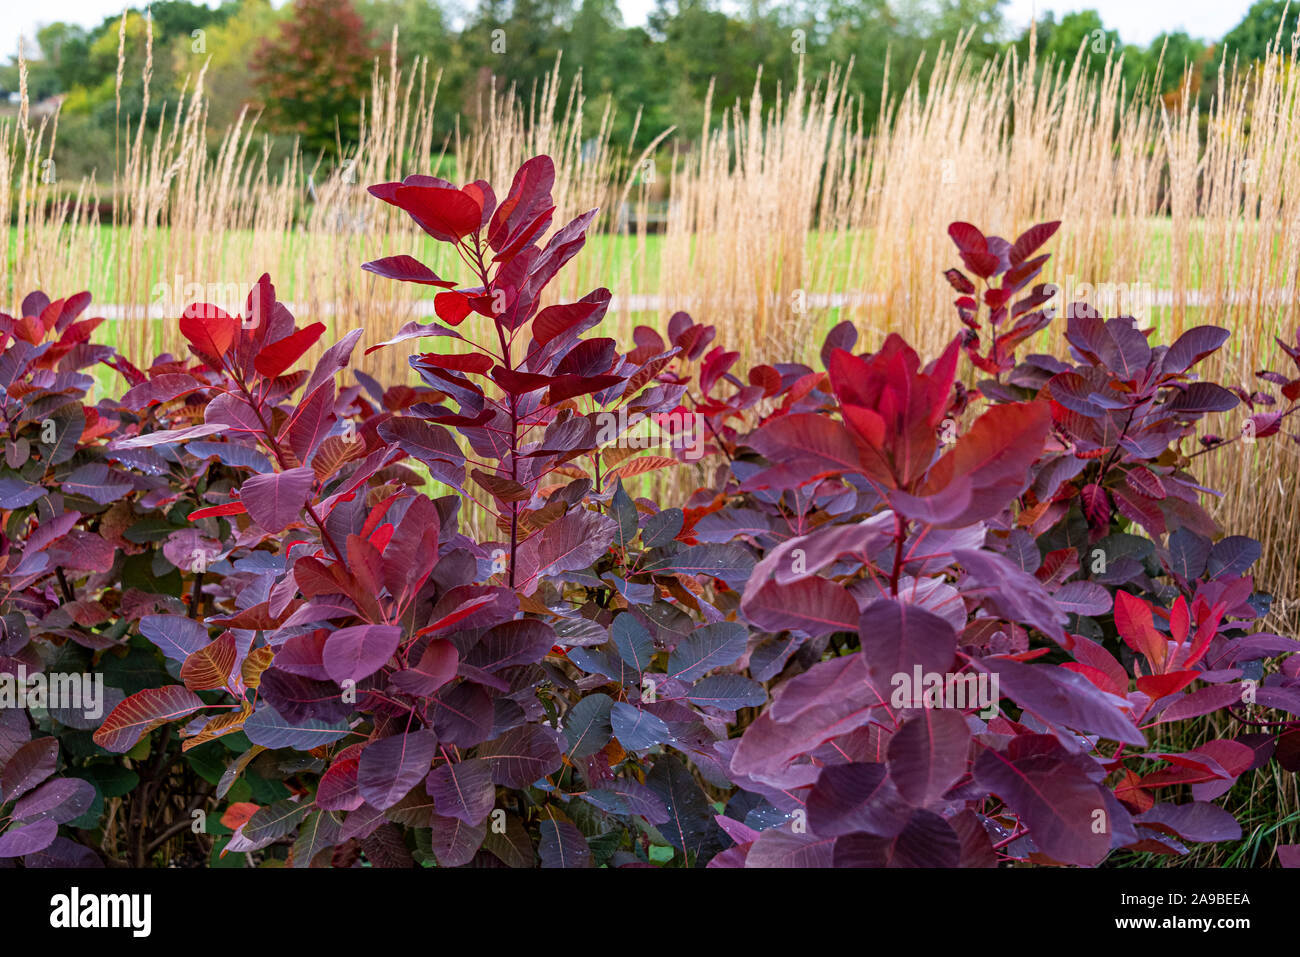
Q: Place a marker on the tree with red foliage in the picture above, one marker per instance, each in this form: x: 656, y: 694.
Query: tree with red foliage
x: 312, y: 75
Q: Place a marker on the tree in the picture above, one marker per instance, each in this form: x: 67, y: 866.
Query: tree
x: 1184, y: 56
x: 313, y: 74
x: 1249, y: 40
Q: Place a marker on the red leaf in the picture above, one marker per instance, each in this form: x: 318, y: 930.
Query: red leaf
x: 445, y: 214
x: 238, y: 813
x: 464, y: 610
x: 526, y: 207
x: 1179, y: 620
x: 571, y: 386
x: 1028, y: 242
x: 161, y: 388
x: 998, y: 448
x: 272, y: 360
x: 230, y: 508
x: 142, y: 711
x: 474, y: 362
x: 451, y: 307
x: 1096, y: 506
x: 1134, y: 622
x: 968, y: 238
x: 359, y: 651
x: 1145, y: 482
x: 1157, y: 686
x: 520, y: 383
x: 210, y: 331
x: 556, y: 320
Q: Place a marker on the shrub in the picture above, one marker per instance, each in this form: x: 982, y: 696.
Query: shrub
x: 904, y: 622
x: 899, y: 553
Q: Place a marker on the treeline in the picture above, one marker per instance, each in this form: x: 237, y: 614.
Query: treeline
x: 307, y: 64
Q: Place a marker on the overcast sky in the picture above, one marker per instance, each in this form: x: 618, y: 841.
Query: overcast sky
x: 1136, y: 20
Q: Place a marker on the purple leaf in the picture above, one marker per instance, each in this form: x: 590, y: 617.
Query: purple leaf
x: 354, y: 653
x: 856, y: 797
x: 926, y: 841
x: 1054, y: 799
x: 567, y: 544
x: 707, y: 648
x: 97, y: 482
x: 298, y: 697
x: 406, y: 269
x: 896, y: 637
x: 266, y: 727
x: 732, y: 563
x: 1084, y: 598
x: 311, y: 422
x: 31, y: 764
x: 1200, y: 702
x: 928, y: 754
x: 813, y: 443
x: 463, y: 715
x: 522, y: 755
x: 1197, y: 821
x: 414, y: 330
x: 1203, y: 397
x: 63, y: 852
x: 562, y: 845
x: 60, y: 800
x: 28, y: 838
x: 638, y: 729
x: 462, y: 789
x: 431, y: 444
x: 524, y: 641
x: 1064, y: 698
x: 831, y: 698
x: 165, y: 437
x: 176, y: 636
x: 728, y: 692
x: 1191, y: 347
x: 454, y: 842
x: 391, y: 766
x: 777, y: 847
x: 1010, y: 592
x: 690, y: 825
x: 333, y: 361
x: 275, y: 500
x: 1233, y: 555
x: 587, y: 725
x: 161, y: 388
x: 815, y: 606
x: 435, y: 668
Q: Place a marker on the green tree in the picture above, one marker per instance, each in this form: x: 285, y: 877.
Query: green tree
x: 1250, y: 39
x: 424, y: 30
x: 224, y: 49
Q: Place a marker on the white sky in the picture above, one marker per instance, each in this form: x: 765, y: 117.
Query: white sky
x: 1137, y: 21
